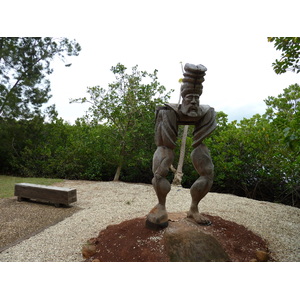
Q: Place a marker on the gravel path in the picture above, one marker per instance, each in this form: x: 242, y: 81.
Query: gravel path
x: 105, y: 203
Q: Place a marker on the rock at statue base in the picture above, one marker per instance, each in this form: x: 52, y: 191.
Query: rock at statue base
x: 186, y: 242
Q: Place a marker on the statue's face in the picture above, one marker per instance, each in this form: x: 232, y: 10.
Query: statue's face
x: 190, y: 105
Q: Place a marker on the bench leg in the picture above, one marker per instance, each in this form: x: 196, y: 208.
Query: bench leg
x: 19, y: 199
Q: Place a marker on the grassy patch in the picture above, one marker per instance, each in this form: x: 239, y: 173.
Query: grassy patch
x: 7, y: 183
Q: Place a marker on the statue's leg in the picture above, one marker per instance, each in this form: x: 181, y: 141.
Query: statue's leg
x: 204, y: 166
x: 162, y: 160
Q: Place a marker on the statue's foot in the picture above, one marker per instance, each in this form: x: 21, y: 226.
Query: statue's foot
x: 157, y: 218
x: 199, y: 218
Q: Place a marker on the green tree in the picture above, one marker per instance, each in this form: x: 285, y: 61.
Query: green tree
x: 284, y: 115
x: 24, y: 64
x: 128, y: 107
x: 57, y: 149
x: 290, y: 48
x: 245, y: 159
x: 259, y: 157
x: 284, y: 112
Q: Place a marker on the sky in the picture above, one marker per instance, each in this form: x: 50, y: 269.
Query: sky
x: 238, y: 79
x: 228, y: 37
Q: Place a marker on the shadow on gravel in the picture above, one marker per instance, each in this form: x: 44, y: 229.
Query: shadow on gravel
x: 21, y: 220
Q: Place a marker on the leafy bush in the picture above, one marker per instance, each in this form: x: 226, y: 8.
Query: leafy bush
x: 257, y: 158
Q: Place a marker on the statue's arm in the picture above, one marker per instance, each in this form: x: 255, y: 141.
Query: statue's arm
x: 205, y: 126
x: 166, y: 128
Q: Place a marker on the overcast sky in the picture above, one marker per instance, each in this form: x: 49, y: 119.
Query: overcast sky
x: 228, y: 37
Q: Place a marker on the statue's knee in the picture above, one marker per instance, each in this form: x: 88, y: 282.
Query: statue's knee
x: 161, y: 184
x: 156, y: 178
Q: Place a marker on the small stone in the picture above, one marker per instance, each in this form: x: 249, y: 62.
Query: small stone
x: 96, y: 260
x: 253, y: 260
x: 262, y: 255
x: 92, y: 241
x: 88, y: 251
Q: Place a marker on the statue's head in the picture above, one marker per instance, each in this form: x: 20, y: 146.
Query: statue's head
x: 191, y: 89
x: 190, y: 105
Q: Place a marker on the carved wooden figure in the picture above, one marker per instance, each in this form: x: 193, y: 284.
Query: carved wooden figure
x: 168, y: 117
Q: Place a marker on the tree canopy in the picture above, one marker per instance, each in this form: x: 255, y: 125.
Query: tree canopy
x: 290, y: 48
x: 24, y: 64
x: 127, y: 107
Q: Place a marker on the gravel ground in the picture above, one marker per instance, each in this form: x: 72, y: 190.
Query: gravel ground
x: 103, y: 203
x: 20, y: 220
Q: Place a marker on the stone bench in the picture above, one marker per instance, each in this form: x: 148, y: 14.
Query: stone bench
x: 52, y: 194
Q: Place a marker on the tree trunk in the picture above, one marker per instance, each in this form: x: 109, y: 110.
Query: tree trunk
x: 178, y: 174
x: 118, y: 172
x: 121, y: 161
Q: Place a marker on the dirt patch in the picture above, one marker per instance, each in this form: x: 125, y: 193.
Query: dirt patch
x: 131, y: 241
x: 20, y: 220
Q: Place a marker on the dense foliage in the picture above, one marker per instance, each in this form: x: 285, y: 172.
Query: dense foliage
x: 257, y: 157
x: 290, y: 54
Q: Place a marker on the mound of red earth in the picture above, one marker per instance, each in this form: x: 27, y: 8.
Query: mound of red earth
x: 183, y: 240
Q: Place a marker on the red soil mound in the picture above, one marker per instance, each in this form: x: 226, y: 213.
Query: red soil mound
x: 131, y: 241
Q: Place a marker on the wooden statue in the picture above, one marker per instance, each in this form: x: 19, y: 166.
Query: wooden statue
x: 168, y: 117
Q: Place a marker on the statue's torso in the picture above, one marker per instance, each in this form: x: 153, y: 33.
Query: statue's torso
x: 168, y: 118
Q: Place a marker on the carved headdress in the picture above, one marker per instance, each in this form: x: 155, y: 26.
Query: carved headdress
x: 193, y: 78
